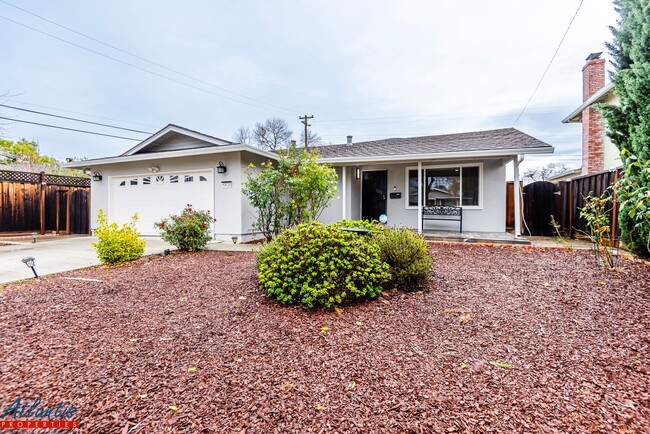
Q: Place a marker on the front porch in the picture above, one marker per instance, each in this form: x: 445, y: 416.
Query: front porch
x: 404, y: 193
x: 476, y: 237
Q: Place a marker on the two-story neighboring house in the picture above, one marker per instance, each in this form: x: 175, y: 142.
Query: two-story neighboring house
x: 598, y: 151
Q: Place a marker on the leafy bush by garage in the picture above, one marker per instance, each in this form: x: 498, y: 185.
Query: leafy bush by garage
x: 188, y: 231
x: 117, y: 244
x: 407, y: 255
x: 317, y: 265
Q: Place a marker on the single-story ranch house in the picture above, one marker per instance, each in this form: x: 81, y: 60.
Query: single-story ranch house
x: 395, y: 177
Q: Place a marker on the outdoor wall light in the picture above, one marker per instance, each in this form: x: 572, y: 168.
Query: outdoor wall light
x: 97, y: 177
x: 357, y: 173
x: 221, y: 168
x: 154, y: 169
x: 29, y: 261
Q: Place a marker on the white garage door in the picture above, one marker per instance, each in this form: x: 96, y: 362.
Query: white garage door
x: 156, y: 196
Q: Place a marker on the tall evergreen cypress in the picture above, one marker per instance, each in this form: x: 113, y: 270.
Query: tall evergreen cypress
x: 629, y: 123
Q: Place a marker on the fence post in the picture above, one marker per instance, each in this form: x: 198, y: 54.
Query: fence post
x: 614, y: 222
x: 571, y: 184
x: 42, y: 202
x: 90, y: 232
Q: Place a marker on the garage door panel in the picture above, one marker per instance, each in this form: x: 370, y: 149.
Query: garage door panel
x: 156, y: 197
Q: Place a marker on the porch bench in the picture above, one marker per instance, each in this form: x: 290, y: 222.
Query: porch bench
x: 443, y: 212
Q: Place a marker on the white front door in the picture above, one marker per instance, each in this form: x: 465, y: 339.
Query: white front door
x: 156, y: 196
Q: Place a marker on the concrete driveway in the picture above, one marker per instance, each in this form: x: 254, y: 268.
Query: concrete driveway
x: 56, y: 254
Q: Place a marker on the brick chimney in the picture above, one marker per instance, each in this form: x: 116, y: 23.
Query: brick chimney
x: 593, y: 127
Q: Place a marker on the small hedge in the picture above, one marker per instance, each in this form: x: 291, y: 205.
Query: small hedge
x: 317, y: 265
x: 117, y: 244
x: 407, y: 255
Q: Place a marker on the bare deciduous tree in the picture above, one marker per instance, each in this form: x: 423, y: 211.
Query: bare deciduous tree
x: 543, y: 173
x: 313, y: 139
x: 273, y: 134
x: 243, y: 135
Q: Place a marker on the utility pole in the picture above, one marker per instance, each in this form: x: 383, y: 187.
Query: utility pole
x: 304, y: 119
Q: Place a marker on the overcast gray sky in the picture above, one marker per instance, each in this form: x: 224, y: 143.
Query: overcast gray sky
x: 371, y: 69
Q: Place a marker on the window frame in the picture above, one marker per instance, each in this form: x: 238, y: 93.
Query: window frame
x: 446, y: 166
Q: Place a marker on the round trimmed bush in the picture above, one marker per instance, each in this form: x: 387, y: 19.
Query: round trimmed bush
x: 317, y: 265
x: 407, y: 255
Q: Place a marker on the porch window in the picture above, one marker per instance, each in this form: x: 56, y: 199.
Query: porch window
x: 456, y: 185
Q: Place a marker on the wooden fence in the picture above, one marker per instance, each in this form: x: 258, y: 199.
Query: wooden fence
x: 575, y: 190
x: 571, y: 199
x: 37, y: 202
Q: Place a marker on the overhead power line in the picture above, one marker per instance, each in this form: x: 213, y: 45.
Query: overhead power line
x: 70, y: 129
x: 454, y: 115
x: 549, y: 63
x: 144, y: 59
x: 79, y: 113
x: 75, y: 119
x: 201, y: 89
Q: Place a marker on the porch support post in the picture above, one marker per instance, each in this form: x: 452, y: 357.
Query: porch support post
x: 419, y: 197
x: 517, y: 194
x: 344, y: 193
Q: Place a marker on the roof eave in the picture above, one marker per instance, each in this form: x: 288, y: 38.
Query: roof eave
x: 170, y: 154
x: 576, y: 115
x: 439, y: 155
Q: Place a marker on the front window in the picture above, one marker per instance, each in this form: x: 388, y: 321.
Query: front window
x: 445, y: 186
x: 441, y: 187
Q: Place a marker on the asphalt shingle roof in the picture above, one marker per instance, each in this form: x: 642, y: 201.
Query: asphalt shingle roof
x: 491, y: 140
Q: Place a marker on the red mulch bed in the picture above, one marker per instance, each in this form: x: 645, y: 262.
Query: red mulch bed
x: 577, y: 337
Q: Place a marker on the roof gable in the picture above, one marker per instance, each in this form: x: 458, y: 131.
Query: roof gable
x: 175, y: 138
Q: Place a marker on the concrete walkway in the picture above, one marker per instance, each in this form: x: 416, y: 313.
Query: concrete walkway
x: 505, y: 238
x: 55, y: 254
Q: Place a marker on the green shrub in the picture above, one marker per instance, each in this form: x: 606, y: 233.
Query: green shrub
x: 318, y: 265
x: 407, y: 255
x: 188, y: 231
x: 117, y: 244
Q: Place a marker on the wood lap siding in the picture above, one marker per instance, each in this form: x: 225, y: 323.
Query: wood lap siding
x: 21, y: 195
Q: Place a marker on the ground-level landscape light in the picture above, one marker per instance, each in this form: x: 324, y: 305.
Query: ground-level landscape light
x: 33, y: 237
x: 234, y: 239
x: 29, y: 261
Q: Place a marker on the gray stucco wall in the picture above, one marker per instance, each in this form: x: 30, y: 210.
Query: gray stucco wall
x: 491, y: 218
x: 248, y: 213
x: 334, y: 211
x: 226, y: 200
x: 235, y: 216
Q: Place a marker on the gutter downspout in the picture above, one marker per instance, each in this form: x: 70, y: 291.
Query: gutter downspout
x: 343, y: 195
x: 517, y: 193
x: 419, y: 197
